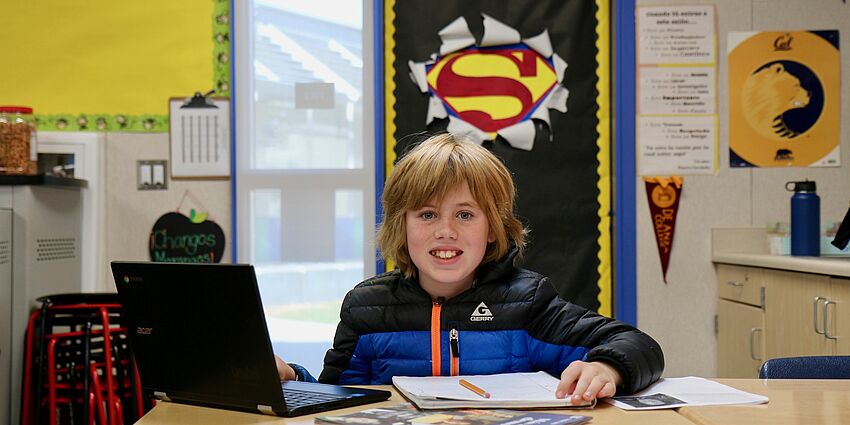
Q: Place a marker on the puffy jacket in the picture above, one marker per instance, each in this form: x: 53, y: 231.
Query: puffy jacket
x: 511, y: 320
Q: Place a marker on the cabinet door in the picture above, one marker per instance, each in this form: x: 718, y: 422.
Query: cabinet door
x: 740, y: 340
x: 741, y: 284
x: 839, y: 315
x: 793, y: 314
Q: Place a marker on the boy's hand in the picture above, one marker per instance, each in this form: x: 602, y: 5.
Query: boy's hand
x: 284, y: 371
x: 586, y: 381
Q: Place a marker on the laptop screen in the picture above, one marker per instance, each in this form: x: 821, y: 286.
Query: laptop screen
x: 198, y: 332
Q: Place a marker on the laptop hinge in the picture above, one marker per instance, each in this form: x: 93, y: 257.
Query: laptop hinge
x: 161, y: 396
x: 266, y: 410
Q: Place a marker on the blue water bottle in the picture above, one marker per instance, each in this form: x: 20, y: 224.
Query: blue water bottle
x: 805, y: 218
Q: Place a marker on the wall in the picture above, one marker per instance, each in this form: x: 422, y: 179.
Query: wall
x: 131, y: 213
x: 680, y: 314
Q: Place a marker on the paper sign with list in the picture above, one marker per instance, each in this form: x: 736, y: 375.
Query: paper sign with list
x: 200, y: 139
x: 677, y: 90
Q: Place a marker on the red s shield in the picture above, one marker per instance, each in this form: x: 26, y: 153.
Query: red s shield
x: 492, y: 88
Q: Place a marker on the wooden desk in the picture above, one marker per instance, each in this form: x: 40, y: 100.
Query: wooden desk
x: 800, y: 401
x: 181, y: 414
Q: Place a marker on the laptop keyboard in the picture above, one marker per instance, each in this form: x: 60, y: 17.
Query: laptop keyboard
x: 300, y: 398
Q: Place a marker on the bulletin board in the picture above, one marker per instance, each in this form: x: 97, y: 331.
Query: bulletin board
x: 558, y: 148
x: 102, y: 65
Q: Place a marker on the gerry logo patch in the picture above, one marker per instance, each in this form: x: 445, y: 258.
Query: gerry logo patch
x: 481, y: 314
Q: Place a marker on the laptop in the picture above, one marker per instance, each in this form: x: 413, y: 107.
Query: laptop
x: 199, y: 336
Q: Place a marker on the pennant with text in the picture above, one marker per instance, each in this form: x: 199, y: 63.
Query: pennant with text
x: 662, y: 194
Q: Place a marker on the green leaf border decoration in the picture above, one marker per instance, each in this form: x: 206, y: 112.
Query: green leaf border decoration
x: 147, y: 123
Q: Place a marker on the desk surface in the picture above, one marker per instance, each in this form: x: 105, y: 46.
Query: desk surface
x: 181, y: 414
x: 809, y: 402
x: 802, y: 401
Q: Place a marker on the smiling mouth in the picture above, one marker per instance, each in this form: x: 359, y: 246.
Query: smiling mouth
x: 445, y: 255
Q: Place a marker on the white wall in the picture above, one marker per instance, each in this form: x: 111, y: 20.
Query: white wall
x: 131, y: 213
x: 680, y: 314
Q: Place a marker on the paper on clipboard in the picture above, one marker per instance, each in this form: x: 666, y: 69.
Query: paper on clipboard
x: 200, y: 138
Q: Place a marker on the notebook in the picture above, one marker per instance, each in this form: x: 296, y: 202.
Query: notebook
x: 198, y: 333
x: 522, y: 390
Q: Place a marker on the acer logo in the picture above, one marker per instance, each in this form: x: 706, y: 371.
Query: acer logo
x: 143, y: 330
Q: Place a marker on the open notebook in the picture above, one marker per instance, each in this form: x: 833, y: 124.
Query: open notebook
x: 506, y: 390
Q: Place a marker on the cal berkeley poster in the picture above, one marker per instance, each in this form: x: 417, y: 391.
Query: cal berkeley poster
x: 529, y: 80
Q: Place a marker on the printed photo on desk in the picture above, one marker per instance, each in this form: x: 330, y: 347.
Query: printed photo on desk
x: 408, y: 414
x: 670, y: 393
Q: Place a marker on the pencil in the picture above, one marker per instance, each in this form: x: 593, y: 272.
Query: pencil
x: 468, y: 385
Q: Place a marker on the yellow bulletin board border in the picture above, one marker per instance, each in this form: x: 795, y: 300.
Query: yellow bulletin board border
x: 603, y: 114
x: 154, y: 123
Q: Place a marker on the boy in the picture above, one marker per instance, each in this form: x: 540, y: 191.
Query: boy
x: 456, y: 304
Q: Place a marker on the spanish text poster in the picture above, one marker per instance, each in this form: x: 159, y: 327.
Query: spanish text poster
x: 784, y: 99
x: 679, y: 145
x: 675, y: 34
x: 677, y: 90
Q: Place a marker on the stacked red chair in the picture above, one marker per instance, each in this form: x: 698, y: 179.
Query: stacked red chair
x: 78, y: 367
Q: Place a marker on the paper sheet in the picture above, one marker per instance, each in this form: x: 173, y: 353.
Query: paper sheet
x: 688, y: 391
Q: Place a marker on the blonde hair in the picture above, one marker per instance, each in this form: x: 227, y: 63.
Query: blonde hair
x: 431, y: 170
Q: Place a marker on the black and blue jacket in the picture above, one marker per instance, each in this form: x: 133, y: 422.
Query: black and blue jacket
x: 511, y: 320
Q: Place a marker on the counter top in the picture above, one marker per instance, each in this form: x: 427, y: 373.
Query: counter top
x: 833, y: 266
x: 41, y: 179
x: 748, y: 247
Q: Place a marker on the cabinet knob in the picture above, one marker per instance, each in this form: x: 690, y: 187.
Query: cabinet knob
x: 752, y: 344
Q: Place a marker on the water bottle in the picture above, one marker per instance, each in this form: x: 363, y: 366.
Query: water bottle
x: 805, y: 218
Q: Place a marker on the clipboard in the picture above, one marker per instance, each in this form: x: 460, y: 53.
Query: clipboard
x: 199, y: 137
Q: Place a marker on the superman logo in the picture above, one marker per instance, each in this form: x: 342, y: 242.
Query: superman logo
x: 495, y: 87
x: 492, y: 88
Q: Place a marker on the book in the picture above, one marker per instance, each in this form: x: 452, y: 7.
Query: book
x: 408, y: 414
x: 669, y: 393
x: 506, y: 390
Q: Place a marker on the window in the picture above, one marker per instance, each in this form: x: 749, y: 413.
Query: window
x: 305, y: 163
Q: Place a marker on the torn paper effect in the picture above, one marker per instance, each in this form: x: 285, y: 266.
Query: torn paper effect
x: 560, y: 67
x: 541, y: 43
x: 558, y: 98
x: 435, y: 110
x: 497, y: 33
x: 458, y: 45
x: 519, y: 135
x: 417, y: 72
x: 455, y: 36
x: 463, y: 128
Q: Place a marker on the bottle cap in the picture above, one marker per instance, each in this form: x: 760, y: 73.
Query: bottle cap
x: 26, y: 110
x: 804, y: 186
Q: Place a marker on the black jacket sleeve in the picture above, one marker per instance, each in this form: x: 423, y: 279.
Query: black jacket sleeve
x: 633, y: 353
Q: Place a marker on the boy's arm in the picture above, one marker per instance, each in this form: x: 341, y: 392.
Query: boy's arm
x: 634, y: 355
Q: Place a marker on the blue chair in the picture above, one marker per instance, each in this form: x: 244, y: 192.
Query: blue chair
x: 807, y: 367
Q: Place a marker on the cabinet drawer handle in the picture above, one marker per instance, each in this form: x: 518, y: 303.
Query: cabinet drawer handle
x: 815, y: 313
x: 735, y: 284
x: 752, y: 344
x: 826, y: 305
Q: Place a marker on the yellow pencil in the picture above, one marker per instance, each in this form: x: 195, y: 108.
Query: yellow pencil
x: 468, y: 385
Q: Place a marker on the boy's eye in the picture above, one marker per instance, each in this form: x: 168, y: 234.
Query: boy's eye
x: 464, y: 215
x: 428, y: 215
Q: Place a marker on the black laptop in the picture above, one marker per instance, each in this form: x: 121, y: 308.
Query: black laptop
x: 198, y: 333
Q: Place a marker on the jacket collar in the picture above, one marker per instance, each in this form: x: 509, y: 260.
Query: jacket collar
x: 498, y: 269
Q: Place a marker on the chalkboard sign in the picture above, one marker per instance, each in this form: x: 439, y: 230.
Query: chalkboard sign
x: 176, y: 238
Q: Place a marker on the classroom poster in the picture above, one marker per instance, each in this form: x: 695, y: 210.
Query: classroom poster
x: 529, y: 81
x: 784, y: 99
x: 677, y: 90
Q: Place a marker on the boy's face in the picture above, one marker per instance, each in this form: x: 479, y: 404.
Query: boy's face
x: 447, y: 242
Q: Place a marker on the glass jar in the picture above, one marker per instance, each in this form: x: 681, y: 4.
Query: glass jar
x: 18, y: 145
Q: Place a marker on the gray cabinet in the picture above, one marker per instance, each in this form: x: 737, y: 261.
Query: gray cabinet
x: 39, y: 255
